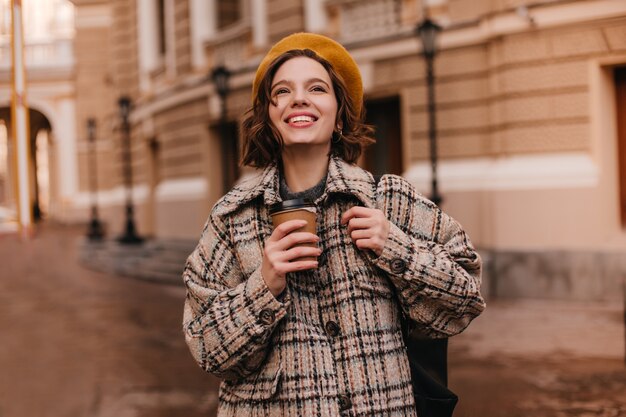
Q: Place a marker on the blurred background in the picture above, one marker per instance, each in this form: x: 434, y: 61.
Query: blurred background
x: 510, y: 113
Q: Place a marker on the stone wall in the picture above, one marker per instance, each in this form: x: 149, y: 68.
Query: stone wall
x: 124, y: 81
x: 557, y: 275
x: 522, y: 93
x: 284, y: 17
x: 95, y: 96
x: 124, y: 55
x: 182, y: 33
x: 179, y: 131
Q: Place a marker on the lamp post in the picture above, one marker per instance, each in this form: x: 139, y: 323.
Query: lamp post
x: 220, y: 77
x: 95, y: 231
x: 130, y: 235
x: 427, y: 31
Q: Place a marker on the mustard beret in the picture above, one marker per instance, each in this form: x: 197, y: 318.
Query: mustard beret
x: 326, y: 48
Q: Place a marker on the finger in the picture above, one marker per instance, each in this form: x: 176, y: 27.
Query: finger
x: 296, y: 238
x: 369, y: 244
x: 360, y: 234
x: 285, y: 228
x: 349, y: 214
x: 366, y: 244
x: 356, y: 211
x: 361, y: 223
x: 300, y: 252
x: 286, y: 267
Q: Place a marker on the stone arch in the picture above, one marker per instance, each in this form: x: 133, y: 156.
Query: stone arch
x: 38, y: 123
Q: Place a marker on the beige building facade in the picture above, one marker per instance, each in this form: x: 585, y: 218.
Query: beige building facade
x: 531, y: 110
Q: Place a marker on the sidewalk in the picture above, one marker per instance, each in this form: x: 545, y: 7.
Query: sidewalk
x: 541, y: 358
x: 544, y: 328
x: 81, y: 343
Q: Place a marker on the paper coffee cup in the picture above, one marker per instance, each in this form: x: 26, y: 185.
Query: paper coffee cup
x: 297, y: 209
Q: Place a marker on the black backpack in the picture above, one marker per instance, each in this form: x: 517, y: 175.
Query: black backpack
x: 429, y: 369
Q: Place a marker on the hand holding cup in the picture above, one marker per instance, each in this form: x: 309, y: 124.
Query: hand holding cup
x: 292, y: 245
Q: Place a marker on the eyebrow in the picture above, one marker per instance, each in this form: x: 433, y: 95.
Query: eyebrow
x: 309, y: 81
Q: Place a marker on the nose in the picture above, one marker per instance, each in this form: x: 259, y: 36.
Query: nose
x: 299, y: 103
x: 299, y: 98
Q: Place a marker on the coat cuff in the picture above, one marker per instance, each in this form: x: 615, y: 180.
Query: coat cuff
x: 403, y: 257
x: 261, y: 308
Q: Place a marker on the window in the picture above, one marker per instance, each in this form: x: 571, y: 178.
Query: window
x: 4, y: 162
x: 384, y: 156
x: 620, y: 90
x: 228, y: 13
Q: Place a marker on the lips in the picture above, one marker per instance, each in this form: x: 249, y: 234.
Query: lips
x: 300, y: 118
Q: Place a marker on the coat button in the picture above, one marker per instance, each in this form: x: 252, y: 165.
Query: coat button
x: 344, y: 402
x: 332, y: 329
x: 267, y: 317
x: 398, y: 266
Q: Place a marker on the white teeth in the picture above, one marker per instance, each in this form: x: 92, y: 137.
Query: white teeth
x: 301, y: 119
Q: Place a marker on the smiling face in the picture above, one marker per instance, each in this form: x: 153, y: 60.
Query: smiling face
x: 304, y: 106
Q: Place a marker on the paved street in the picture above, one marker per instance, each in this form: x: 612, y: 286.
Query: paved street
x: 77, y: 343
x: 541, y: 359
x: 81, y: 343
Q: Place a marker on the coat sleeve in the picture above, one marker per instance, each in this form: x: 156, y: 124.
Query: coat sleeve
x: 430, y: 260
x: 228, y: 319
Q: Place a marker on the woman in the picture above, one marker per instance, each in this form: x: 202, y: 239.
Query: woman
x: 322, y: 337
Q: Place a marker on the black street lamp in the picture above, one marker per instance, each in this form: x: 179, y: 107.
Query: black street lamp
x: 428, y: 30
x: 130, y: 235
x: 220, y: 77
x: 95, y: 231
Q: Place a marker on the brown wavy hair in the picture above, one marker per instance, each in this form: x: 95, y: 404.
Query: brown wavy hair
x: 263, y: 144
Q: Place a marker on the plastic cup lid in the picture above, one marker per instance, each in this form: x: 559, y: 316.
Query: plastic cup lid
x: 291, y: 205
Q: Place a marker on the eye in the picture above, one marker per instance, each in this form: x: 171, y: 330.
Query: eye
x: 281, y: 90
x: 318, y: 88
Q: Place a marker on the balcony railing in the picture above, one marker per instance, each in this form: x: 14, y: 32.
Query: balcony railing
x: 231, y: 47
x: 368, y: 19
x: 56, y: 53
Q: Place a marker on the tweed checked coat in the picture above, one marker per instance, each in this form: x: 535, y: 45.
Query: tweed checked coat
x: 331, y: 344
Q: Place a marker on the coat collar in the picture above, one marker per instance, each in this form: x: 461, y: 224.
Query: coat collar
x: 343, y: 178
